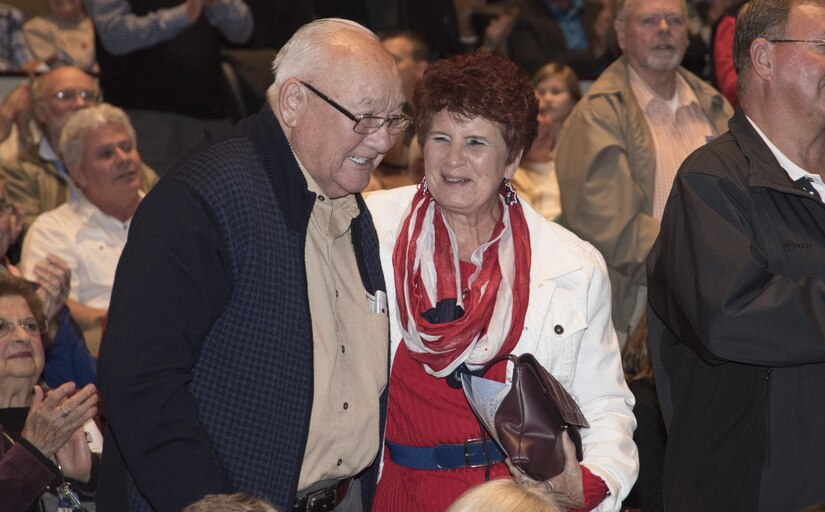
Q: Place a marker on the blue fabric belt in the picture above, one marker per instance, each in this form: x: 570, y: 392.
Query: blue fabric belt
x: 446, y: 456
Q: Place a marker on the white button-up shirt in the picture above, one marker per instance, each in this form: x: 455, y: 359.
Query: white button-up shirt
x: 89, y: 240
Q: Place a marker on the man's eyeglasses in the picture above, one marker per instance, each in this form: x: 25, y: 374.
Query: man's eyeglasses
x: 29, y: 325
x: 366, y: 124
x: 72, y: 95
x: 819, y: 44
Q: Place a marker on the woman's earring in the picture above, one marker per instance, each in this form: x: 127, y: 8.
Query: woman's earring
x: 510, y: 196
x: 423, y: 184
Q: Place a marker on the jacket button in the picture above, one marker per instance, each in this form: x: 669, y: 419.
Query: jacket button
x: 558, y: 329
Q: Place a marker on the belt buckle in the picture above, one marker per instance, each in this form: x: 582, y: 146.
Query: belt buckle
x: 321, y: 500
x: 467, y: 461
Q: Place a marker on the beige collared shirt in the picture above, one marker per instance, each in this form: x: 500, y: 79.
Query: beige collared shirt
x: 678, y: 126
x: 350, y: 347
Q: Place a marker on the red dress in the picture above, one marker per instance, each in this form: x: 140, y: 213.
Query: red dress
x: 425, y: 411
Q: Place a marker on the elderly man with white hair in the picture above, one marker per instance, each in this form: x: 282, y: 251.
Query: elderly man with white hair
x: 89, y: 231
x: 247, y: 344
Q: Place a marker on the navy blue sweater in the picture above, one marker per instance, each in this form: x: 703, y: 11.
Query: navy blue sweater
x: 206, y: 365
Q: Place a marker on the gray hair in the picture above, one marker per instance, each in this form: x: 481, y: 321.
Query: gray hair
x: 72, y: 138
x: 760, y: 18
x: 305, y: 52
x: 621, y: 4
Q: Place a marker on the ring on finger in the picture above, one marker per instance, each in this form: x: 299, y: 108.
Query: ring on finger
x: 64, y: 412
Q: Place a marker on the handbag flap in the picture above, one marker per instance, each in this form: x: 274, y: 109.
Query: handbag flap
x: 567, y: 406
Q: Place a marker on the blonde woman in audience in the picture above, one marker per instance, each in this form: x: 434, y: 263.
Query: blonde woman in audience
x: 558, y: 90
x: 504, y: 495
x: 64, y: 37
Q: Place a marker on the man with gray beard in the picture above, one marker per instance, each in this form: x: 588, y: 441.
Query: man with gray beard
x: 621, y: 146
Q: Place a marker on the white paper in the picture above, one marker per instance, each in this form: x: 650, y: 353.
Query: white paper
x: 485, y: 397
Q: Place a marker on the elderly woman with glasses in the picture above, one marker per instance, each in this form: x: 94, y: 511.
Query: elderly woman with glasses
x: 67, y: 358
x: 43, y: 445
x: 474, y: 272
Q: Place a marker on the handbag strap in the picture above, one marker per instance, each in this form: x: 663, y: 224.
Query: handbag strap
x: 568, y: 408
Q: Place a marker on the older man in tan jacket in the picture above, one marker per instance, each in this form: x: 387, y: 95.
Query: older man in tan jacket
x: 620, y: 148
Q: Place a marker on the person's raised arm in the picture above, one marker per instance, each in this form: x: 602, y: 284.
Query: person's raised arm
x: 232, y: 17
x: 121, y: 31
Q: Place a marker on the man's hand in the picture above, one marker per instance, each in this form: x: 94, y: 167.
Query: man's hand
x: 53, y: 275
x: 15, y: 108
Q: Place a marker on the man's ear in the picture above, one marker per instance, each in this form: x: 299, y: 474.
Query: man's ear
x: 762, y: 55
x: 292, y: 101
x: 77, y: 176
x: 618, y: 26
x: 420, y: 67
x: 39, y: 110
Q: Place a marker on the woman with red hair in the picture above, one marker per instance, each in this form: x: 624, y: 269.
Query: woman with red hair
x: 472, y: 272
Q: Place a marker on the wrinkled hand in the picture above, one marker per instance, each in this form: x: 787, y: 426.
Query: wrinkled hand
x: 53, y: 275
x: 566, y: 488
x: 46, y: 428
x: 75, y: 457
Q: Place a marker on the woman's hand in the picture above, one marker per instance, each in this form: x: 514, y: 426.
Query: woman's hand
x: 53, y: 275
x: 53, y: 418
x: 75, y: 457
x: 566, y: 488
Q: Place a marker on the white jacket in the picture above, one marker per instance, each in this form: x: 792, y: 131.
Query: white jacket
x: 568, y: 288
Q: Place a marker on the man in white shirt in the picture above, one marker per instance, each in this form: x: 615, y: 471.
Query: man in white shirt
x: 89, y: 231
x: 737, y: 283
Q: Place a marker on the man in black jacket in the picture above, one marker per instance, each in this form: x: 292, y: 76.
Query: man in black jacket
x: 247, y: 345
x: 737, y: 283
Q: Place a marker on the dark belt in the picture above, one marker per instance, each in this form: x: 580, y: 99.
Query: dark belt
x: 446, y: 456
x: 323, y: 499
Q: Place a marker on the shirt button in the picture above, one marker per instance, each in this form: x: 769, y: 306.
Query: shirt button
x: 339, y: 462
x: 558, y: 329
x: 346, y: 406
x: 343, y: 349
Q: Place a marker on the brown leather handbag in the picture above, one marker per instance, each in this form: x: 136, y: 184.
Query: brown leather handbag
x: 532, y: 416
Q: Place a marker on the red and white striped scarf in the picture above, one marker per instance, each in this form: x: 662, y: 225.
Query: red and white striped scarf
x: 425, y: 259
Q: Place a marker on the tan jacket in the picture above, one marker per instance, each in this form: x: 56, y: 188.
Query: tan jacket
x: 605, y: 162
x: 37, y: 186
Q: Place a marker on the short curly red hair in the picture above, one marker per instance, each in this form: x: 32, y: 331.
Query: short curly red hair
x: 483, y: 84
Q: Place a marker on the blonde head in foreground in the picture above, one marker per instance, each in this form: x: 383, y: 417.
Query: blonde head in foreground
x: 504, y: 495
